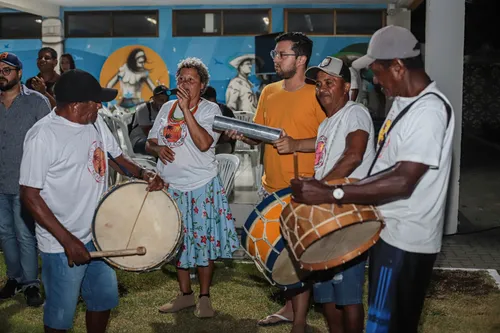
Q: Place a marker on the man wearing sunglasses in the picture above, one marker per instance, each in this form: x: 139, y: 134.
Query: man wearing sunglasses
x: 20, y: 109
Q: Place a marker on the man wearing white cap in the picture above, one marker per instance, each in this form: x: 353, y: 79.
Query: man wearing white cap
x: 408, y: 181
x: 344, y: 148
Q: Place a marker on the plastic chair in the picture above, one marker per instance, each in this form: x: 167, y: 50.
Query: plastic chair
x: 243, y: 149
x: 227, y: 166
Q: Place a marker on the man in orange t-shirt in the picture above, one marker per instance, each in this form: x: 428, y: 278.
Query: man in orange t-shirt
x: 291, y: 105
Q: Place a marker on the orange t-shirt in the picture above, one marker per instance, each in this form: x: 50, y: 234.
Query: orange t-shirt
x: 299, y: 114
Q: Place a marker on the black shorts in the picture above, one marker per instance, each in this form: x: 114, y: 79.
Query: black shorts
x: 398, y: 282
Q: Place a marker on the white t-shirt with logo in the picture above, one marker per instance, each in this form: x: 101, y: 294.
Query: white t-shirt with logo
x: 68, y: 162
x: 331, y: 139
x: 424, y: 136
x: 191, y: 168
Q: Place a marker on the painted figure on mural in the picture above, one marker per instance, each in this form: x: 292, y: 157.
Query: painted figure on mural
x: 240, y: 93
x: 132, y: 76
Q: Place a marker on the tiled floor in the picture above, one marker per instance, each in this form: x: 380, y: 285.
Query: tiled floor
x: 479, y: 208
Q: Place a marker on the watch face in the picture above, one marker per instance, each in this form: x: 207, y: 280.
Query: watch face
x: 338, y: 193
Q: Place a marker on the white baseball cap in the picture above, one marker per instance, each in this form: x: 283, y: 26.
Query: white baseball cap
x: 332, y: 66
x: 391, y: 42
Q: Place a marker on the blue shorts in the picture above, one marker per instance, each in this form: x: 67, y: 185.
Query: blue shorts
x: 96, y: 281
x: 346, y: 287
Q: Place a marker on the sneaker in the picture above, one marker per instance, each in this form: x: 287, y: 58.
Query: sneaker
x: 33, y: 297
x: 11, y: 288
x: 180, y: 302
x: 204, y: 308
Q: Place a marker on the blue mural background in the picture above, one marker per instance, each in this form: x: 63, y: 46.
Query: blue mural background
x: 216, y: 52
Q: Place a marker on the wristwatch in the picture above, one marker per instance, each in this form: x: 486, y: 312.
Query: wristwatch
x: 338, y: 192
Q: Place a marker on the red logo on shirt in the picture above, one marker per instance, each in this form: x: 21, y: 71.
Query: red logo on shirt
x: 97, y: 162
x: 173, y: 134
x: 320, y: 152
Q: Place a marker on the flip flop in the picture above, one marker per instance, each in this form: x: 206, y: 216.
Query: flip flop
x: 282, y: 320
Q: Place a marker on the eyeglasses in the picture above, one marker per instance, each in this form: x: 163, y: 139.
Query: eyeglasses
x: 7, y: 70
x: 279, y: 55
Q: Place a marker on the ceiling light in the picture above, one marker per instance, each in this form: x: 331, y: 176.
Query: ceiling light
x: 152, y: 20
x: 38, y: 21
x: 266, y: 20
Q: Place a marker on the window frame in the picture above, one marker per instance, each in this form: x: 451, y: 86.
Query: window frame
x: 332, y: 11
x: 222, y: 33
x: 111, y: 14
x: 35, y: 17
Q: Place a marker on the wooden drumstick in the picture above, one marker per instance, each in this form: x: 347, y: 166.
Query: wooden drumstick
x: 140, y: 251
x: 296, y: 165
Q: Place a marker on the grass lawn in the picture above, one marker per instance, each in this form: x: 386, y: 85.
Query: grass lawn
x: 458, y: 302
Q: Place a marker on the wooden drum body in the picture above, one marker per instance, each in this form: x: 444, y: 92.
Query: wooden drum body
x: 328, y: 235
x: 158, y: 227
x: 263, y: 242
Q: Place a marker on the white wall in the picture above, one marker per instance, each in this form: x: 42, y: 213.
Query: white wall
x: 444, y: 49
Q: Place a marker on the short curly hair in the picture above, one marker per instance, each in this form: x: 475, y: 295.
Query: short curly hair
x: 200, y: 67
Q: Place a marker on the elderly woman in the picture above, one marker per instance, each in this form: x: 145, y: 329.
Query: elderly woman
x: 183, y: 139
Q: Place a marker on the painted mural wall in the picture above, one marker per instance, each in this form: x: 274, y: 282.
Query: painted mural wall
x: 135, y: 65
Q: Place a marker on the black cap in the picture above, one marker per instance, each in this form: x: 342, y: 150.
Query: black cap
x: 161, y: 89
x: 79, y: 86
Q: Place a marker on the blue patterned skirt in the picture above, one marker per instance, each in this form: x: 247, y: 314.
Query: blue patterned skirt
x: 209, y: 231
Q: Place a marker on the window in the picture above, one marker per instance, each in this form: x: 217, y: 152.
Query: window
x: 358, y: 22
x: 246, y: 22
x: 20, y: 26
x: 334, y: 22
x: 196, y: 23
x: 112, y: 24
x: 221, y: 22
x: 313, y: 23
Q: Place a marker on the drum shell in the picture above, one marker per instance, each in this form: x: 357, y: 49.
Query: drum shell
x: 306, y: 225
x: 273, y: 251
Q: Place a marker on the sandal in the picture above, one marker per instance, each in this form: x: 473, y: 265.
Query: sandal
x: 271, y: 320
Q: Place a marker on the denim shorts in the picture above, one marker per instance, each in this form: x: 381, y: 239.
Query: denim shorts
x: 345, y: 288
x: 96, y: 281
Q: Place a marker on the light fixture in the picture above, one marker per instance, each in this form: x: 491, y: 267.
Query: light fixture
x: 152, y: 20
x: 266, y: 20
x: 38, y: 21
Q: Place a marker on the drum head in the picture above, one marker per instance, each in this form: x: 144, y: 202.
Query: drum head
x: 286, y: 271
x: 343, y: 244
x: 157, y: 227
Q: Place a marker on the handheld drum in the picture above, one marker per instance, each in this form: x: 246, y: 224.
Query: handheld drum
x: 325, y: 236
x: 263, y: 242
x: 127, y: 219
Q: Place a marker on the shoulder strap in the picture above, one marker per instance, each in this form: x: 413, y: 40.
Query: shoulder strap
x: 399, y: 116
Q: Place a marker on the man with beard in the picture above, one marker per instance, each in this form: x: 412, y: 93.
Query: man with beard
x: 20, y: 109
x: 44, y: 81
x: 289, y: 104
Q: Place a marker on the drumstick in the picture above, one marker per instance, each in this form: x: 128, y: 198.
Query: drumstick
x: 296, y: 165
x: 137, y: 217
x: 141, y: 250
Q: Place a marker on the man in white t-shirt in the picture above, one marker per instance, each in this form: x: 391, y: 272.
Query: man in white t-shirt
x: 64, y: 172
x: 408, y: 181
x: 344, y: 148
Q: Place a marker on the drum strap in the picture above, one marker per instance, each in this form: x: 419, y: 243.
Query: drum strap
x: 399, y: 116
